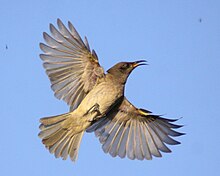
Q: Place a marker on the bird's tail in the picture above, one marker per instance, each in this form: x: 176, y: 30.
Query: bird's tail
x: 62, y: 135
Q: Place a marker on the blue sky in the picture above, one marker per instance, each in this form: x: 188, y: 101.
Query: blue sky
x: 182, y: 80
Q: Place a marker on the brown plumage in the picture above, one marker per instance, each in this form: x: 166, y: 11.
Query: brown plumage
x: 97, y: 103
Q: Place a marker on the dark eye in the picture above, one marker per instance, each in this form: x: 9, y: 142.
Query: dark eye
x: 125, y: 66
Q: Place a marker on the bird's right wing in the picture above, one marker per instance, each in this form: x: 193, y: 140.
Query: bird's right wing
x: 135, y: 133
x: 70, y: 65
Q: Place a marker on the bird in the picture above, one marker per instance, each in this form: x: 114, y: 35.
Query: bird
x: 97, y: 103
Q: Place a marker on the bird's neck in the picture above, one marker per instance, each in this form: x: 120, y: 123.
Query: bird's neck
x: 116, y: 79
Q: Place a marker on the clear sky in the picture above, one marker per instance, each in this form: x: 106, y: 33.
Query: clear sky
x: 181, y: 41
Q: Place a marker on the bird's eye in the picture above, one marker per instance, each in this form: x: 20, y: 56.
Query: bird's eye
x: 125, y: 66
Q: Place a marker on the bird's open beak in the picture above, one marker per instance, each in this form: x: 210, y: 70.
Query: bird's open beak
x: 139, y: 63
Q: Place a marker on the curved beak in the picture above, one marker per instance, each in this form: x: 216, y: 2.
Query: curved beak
x: 139, y: 63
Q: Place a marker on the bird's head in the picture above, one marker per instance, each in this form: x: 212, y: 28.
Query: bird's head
x: 122, y: 70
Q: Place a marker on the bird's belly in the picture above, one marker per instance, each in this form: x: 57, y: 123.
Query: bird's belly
x: 104, y: 95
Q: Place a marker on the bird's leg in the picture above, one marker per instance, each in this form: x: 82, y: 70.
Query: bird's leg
x: 92, y: 110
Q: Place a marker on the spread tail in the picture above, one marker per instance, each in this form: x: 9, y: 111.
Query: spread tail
x: 62, y: 135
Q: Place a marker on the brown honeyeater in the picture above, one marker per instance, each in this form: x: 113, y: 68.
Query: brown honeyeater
x: 97, y: 103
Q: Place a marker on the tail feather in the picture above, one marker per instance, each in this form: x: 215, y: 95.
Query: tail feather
x: 54, y: 119
x: 73, y: 150
x: 61, y: 135
x: 54, y: 138
x: 48, y: 130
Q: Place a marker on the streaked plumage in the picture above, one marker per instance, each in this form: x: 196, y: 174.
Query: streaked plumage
x: 97, y: 103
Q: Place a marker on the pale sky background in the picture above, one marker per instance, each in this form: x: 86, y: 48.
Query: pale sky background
x: 181, y: 41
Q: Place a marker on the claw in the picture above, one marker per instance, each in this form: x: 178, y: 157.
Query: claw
x: 94, y: 108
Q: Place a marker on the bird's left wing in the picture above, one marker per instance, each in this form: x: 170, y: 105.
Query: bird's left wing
x: 70, y: 65
x: 135, y: 133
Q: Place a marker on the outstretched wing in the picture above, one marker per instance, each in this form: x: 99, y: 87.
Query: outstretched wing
x: 70, y: 65
x: 135, y: 133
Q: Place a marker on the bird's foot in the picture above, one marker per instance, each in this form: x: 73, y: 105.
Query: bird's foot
x: 92, y: 110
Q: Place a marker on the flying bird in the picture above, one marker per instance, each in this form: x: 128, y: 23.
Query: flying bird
x: 97, y: 103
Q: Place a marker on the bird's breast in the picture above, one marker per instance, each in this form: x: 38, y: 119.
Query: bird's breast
x: 104, y: 94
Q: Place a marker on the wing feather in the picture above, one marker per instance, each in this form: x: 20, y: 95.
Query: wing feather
x: 135, y: 133
x: 72, y: 68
